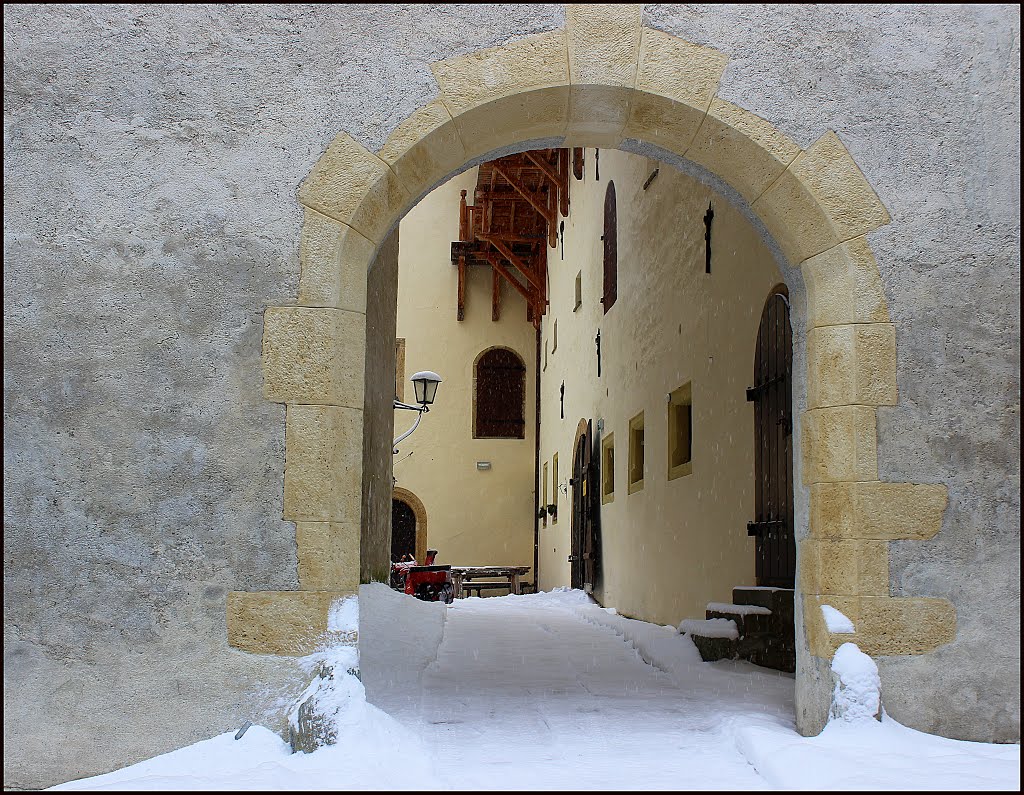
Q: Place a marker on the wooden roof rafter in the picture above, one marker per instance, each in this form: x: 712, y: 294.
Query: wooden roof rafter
x: 511, y: 224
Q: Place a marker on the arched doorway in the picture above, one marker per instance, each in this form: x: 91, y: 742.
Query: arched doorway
x: 775, y: 552
x: 584, y: 557
x: 403, y: 530
x: 408, y: 525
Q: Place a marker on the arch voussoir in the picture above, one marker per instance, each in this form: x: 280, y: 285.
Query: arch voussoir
x: 676, y: 81
x: 603, y: 44
x: 507, y: 94
x: 821, y: 200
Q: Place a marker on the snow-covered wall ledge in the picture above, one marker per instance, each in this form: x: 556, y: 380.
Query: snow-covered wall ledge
x: 398, y: 638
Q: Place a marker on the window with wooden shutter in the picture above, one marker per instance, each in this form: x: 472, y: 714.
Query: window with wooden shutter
x: 500, y: 396
x: 611, y: 249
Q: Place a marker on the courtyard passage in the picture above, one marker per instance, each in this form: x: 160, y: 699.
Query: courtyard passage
x: 527, y: 692
x: 550, y: 691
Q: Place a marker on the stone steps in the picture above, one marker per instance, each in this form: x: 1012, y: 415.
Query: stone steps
x: 764, y: 620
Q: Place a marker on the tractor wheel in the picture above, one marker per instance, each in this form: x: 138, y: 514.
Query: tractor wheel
x: 447, y: 594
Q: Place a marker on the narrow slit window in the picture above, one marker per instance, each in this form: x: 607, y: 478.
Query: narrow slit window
x: 680, y: 432
x: 636, y: 454
x: 579, y: 291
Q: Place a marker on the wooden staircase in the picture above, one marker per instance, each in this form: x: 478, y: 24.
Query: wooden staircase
x: 765, y: 624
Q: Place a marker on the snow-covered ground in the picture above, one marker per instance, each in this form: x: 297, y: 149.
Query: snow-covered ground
x: 549, y: 691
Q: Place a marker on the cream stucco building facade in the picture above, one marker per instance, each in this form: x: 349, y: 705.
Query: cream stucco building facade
x: 679, y: 541
x: 474, y: 516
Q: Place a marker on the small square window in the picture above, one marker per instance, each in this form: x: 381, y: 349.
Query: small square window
x: 579, y: 291
x: 680, y: 432
x: 608, y: 468
x: 636, y: 454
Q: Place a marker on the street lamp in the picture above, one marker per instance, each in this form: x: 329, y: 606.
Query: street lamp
x: 425, y: 384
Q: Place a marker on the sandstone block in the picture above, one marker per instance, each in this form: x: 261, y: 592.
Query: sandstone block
x: 742, y: 148
x: 354, y: 186
x: 328, y: 554
x: 289, y: 623
x: 821, y: 642
x: 821, y: 200
x: 314, y: 355
x: 851, y: 365
x: 844, y: 286
x: 675, y: 83
x: 885, y: 511
x: 603, y: 48
x: 839, y: 444
x: 333, y: 260
x: 507, y: 94
x: 323, y: 464
x: 914, y: 625
x: 424, y: 148
x: 848, y: 568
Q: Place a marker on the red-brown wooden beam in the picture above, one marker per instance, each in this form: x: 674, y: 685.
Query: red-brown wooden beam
x: 530, y: 197
x: 510, y: 255
x: 496, y: 264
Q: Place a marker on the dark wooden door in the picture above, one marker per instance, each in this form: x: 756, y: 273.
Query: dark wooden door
x: 773, y: 446
x: 403, y: 530
x: 584, y: 536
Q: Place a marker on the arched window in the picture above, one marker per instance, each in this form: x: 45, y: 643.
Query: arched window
x: 500, y: 399
x: 611, y: 249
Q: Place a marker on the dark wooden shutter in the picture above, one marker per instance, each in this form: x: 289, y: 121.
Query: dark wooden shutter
x: 500, y: 396
x: 611, y: 249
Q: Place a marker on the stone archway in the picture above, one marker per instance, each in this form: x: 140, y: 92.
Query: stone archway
x: 601, y: 81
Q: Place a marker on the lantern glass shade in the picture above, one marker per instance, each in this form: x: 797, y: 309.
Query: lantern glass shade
x: 426, y: 386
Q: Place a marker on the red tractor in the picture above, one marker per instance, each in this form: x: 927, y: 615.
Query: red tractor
x: 427, y: 582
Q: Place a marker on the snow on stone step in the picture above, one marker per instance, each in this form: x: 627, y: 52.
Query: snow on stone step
x: 710, y: 628
x: 739, y: 610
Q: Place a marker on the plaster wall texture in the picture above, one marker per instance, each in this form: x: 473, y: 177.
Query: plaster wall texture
x: 474, y: 517
x: 151, y: 160
x: 675, y: 545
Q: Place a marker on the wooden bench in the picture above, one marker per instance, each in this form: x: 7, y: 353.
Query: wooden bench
x: 485, y: 586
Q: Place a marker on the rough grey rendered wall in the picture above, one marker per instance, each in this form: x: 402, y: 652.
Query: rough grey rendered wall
x: 378, y: 412
x: 151, y: 160
x: 152, y: 156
